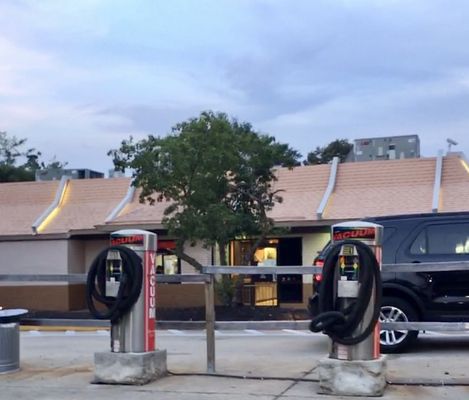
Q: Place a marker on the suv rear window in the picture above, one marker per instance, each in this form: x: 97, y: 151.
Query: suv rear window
x: 442, y: 239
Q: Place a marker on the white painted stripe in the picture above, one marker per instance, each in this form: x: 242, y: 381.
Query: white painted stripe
x: 176, y: 332
x: 179, y: 333
x: 254, y: 332
x: 300, y: 333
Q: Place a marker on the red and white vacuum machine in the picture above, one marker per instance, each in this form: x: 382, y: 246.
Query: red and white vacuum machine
x: 121, y: 287
x: 350, y: 292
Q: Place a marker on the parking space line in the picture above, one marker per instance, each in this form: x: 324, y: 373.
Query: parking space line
x: 254, y: 332
x: 176, y: 332
x: 300, y: 333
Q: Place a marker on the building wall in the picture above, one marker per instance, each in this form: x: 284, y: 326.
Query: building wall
x: 76, y: 256
x: 41, y: 297
x: 180, y: 295
x: 387, y: 148
x: 204, y: 256
x: 312, y: 243
x: 81, y: 254
x: 34, y: 257
x: 91, y: 249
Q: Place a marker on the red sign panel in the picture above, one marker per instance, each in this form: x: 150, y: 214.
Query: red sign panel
x: 166, y: 244
x: 119, y: 240
x: 353, y: 233
x: 150, y: 300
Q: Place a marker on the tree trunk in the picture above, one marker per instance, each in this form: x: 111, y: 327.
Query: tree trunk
x: 222, y: 253
x: 190, y: 260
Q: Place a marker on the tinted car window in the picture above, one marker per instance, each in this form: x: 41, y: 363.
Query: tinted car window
x: 442, y: 239
x: 419, y: 246
x: 388, y: 232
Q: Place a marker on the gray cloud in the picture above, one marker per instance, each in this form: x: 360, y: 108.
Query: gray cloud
x: 307, y: 72
x: 144, y: 118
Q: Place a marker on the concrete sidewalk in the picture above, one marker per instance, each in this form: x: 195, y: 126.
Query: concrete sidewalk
x: 263, y: 365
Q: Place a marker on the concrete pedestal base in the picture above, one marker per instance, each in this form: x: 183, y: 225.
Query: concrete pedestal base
x: 129, y: 368
x: 352, y: 378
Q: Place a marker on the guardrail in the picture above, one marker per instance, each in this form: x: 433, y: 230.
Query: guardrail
x: 305, y: 270
x: 81, y: 278
x: 208, y: 278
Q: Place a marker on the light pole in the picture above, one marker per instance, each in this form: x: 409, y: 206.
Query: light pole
x: 451, y: 142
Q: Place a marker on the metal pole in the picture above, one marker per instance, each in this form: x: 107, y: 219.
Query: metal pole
x: 210, y: 323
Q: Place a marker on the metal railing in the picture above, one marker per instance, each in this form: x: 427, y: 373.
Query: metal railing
x: 307, y: 270
x: 208, y: 278
x: 81, y: 278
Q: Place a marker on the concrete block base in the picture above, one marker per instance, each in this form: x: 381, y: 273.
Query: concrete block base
x: 352, y: 378
x: 129, y: 368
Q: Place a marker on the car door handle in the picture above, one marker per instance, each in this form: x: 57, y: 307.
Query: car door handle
x: 416, y: 262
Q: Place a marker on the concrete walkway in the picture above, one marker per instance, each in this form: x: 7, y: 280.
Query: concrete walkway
x: 251, y: 364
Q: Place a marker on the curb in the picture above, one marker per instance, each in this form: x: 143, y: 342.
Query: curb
x: 94, y: 324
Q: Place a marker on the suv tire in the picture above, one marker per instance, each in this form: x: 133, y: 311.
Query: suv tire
x: 394, y: 309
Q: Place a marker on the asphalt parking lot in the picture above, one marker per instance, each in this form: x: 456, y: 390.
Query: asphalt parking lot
x: 261, y: 364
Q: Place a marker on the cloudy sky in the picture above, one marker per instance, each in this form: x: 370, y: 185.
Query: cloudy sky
x: 77, y: 77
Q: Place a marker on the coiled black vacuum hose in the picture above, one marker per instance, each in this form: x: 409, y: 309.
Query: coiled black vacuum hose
x: 340, y: 325
x: 129, y: 288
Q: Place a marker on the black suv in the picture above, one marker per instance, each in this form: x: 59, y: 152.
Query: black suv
x: 419, y: 296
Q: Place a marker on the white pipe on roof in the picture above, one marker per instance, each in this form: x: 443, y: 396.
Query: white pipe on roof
x: 330, y: 187
x: 437, y: 184
x: 58, y: 198
x: 126, y: 200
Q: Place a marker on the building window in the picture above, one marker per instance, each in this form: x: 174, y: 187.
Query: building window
x: 166, y: 262
x: 264, y: 256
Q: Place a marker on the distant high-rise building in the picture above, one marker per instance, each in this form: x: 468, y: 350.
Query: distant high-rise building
x: 78, y: 173
x: 386, y: 148
x: 116, y: 174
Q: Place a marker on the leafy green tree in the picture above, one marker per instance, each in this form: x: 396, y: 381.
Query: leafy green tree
x: 216, y: 172
x: 11, y: 154
x: 323, y: 155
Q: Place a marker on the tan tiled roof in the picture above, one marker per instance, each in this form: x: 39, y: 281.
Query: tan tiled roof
x: 21, y: 203
x: 362, y: 189
x: 375, y: 188
x: 455, y: 185
x: 302, y: 192
x: 87, y: 202
x: 137, y: 213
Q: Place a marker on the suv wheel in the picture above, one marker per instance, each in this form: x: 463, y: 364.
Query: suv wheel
x: 394, y: 309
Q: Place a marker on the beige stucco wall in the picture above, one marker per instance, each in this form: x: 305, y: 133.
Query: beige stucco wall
x: 204, y: 256
x: 312, y: 243
x: 33, y: 257
x: 76, y: 257
x: 82, y: 252
x: 92, y: 248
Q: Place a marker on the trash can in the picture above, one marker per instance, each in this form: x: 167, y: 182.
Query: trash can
x: 10, y: 339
